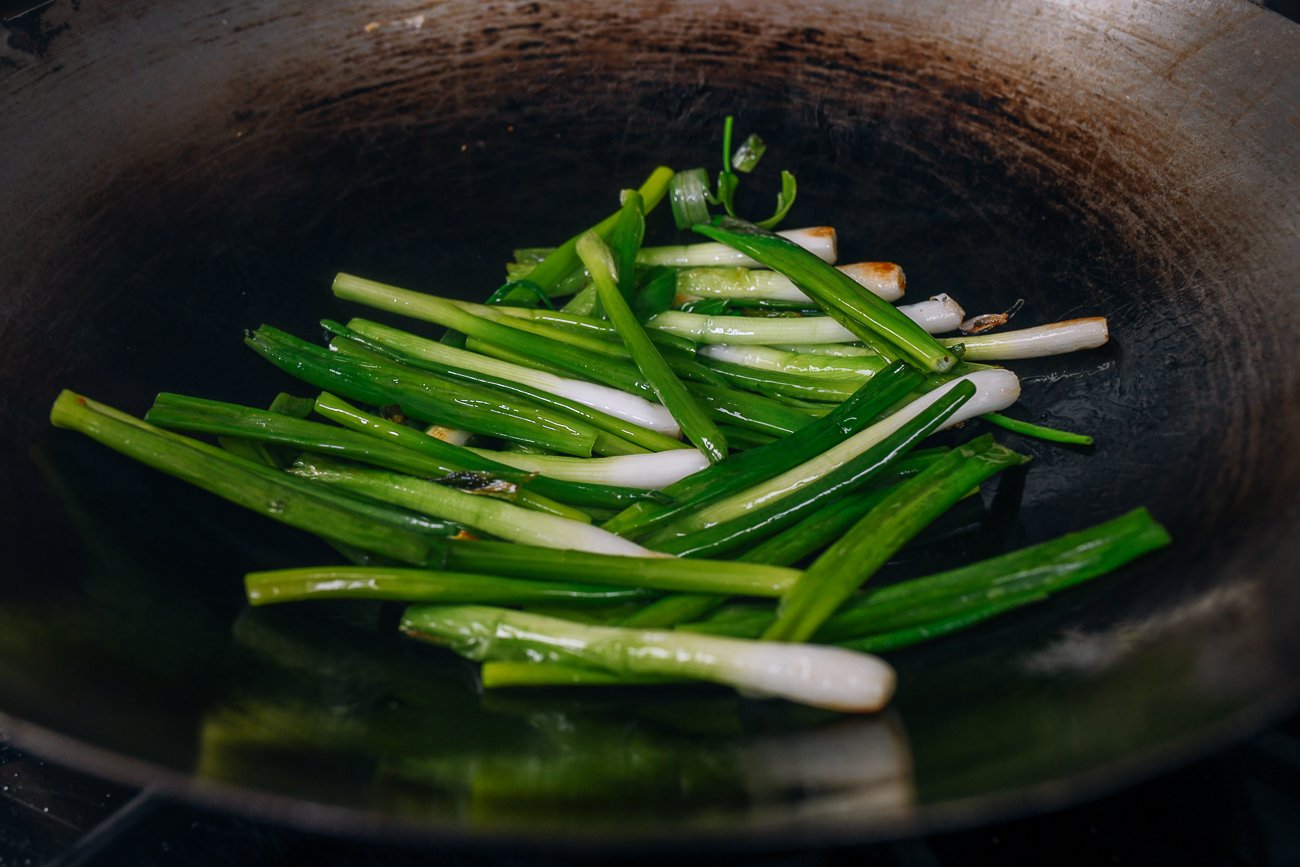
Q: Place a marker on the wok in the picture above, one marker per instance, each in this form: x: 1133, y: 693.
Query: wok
x: 175, y: 173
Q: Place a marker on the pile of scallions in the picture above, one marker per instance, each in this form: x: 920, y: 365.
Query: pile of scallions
x: 623, y: 489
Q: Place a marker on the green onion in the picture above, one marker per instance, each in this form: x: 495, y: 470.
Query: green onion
x: 536, y: 492
x: 742, y: 438
x: 748, y: 468
x: 679, y: 354
x: 1047, y: 567
x: 861, y: 312
x: 801, y: 364
x: 994, y: 389
x: 689, y: 194
x: 741, y: 330
x: 1037, y: 431
x: 884, y: 279
x: 588, y: 325
x: 490, y: 515
x: 423, y: 396
x: 815, y: 531
x: 200, y: 415
x: 908, y: 509
x: 784, y: 201
x: 938, y: 603
x: 656, y: 295
x: 753, y: 411
x: 581, y: 304
x: 255, y: 487
x: 626, y: 415
x: 523, y: 347
x: 819, y: 676
x: 625, y: 241
x: 745, y: 159
x: 819, y: 240
x: 1054, y: 339
x: 650, y: 471
x: 694, y: 422
x: 422, y: 585
x: 762, y: 522
x: 564, y: 258
x: 672, y: 610
x: 931, y: 629
x: 791, y: 385
x: 652, y: 573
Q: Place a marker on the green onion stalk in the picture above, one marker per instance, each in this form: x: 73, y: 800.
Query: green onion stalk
x: 746, y: 469
x: 994, y: 390
x: 1028, y: 574
x: 860, y: 311
x: 884, y: 279
x: 563, y: 260
x: 760, y: 523
x: 640, y: 418
x: 424, y: 396
x: 410, y: 452
x: 254, y: 486
x: 690, y: 416
x: 570, y: 491
x: 425, y: 586
x: 819, y: 676
x: 496, y: 517
x: 908, y: 509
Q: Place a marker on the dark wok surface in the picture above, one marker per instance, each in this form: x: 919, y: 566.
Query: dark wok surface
x: 174, y: 175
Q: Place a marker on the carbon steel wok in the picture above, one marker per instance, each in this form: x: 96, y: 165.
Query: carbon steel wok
x: 174, y: 173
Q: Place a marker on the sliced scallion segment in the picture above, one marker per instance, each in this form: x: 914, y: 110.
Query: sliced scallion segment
x: 545, y: 389
x: 1054, y: 339
x: 458, y: 458
x: 819, y: 240
x: 1037, y: 431
x: 653, y: 573
x: 422, y: 395
x: 884, y: 279
x: 561, y: 261
x: 258, y: 488
x: 757, y: 524
x: 861, y: 312
x: 691, y: 417
x: 819, y: 676
x: 748, y: 468
x: 994, y: 389
x: 423, y: 585
x: 688, y: 192
x: 909, y: 508
x: 490, y: 515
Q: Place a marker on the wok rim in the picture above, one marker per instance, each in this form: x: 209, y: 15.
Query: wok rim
x: 1039, y: 797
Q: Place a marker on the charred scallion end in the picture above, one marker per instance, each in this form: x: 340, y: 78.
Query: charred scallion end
x: 841, y: 297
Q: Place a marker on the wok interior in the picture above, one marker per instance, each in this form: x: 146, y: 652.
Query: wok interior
x: 421, y: 154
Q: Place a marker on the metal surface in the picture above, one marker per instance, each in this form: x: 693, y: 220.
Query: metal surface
x: 175, y: 174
